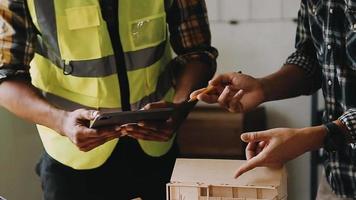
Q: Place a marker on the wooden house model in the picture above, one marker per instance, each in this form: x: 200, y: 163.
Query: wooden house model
x: 208, y: 179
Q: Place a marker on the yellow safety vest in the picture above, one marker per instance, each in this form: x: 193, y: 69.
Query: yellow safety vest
x: 74, y: 66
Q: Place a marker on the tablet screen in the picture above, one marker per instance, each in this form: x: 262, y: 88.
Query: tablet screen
x: 119, y: 118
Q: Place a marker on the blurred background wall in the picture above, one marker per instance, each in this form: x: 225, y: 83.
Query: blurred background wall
x: 20, y: 149
x: 256, y: 37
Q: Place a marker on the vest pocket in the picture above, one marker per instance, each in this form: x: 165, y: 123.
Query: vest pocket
x: 79, y: 33
x: 148, y: 32
x: 82, y: 17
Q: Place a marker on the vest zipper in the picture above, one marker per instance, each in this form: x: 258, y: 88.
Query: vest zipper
x: 110, y: 12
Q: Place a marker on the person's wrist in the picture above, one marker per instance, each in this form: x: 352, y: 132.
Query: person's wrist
x: 337, y: 136
x: 59, y: 117
x: 342, y: 126
x: 264, y: 89
x: 314, y: 136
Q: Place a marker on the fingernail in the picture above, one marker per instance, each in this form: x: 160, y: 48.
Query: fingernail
x: 237, y: 175
x: 244, y: 137
x: 141, y: 124
x: 117, y: 128
x: 95, y: 113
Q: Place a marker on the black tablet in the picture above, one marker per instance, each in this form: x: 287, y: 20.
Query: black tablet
x: 118, y: 118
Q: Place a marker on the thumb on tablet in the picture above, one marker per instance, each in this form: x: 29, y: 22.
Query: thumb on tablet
x: 154, y: 105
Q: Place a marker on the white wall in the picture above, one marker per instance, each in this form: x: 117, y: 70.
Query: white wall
x: 20, y: 149
x: 259, y: 45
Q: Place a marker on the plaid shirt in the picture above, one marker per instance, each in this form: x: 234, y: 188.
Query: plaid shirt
x: 188, y: 25
x: 326, y: 51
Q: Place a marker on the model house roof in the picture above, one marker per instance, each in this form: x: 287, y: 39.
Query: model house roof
x: 202, y: 172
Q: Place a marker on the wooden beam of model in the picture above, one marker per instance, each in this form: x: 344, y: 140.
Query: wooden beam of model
x: 207, y: 179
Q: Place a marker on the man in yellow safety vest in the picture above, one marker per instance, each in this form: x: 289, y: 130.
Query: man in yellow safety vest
x: 64, y: 61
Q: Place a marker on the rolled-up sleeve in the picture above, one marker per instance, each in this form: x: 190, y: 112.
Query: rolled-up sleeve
x: 190, y: 32
x: 349, y: 120
x: 305, y: 53
x: 16, y: 39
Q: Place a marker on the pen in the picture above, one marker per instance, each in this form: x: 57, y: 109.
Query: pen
x: 206, y: 90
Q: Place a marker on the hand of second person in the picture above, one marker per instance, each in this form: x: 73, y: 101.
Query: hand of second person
x: 155, y: 130
x: 234, y: 91
x: 274, y: 147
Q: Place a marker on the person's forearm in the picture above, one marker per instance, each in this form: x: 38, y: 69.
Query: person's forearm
x: 314, y: 137
x: 193, y: 76
x: 25, y: 101
x: 289, y: 81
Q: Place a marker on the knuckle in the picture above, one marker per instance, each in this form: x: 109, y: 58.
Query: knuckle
x: 253, y: 136
x: 221, y: 102
x: 78, y: 137
x: 75, y: 141
x: 235, y: 99
x: 78, y: 134
x: 148, y: 106
x: 81, y: 110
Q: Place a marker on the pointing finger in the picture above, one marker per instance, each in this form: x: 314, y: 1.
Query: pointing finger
x: 254, y: 136
x: 249, y: 165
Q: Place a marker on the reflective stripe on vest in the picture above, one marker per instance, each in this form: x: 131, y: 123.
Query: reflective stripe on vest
x: 162, y: 92
x: 103, y: 66
x: 75, y: 40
